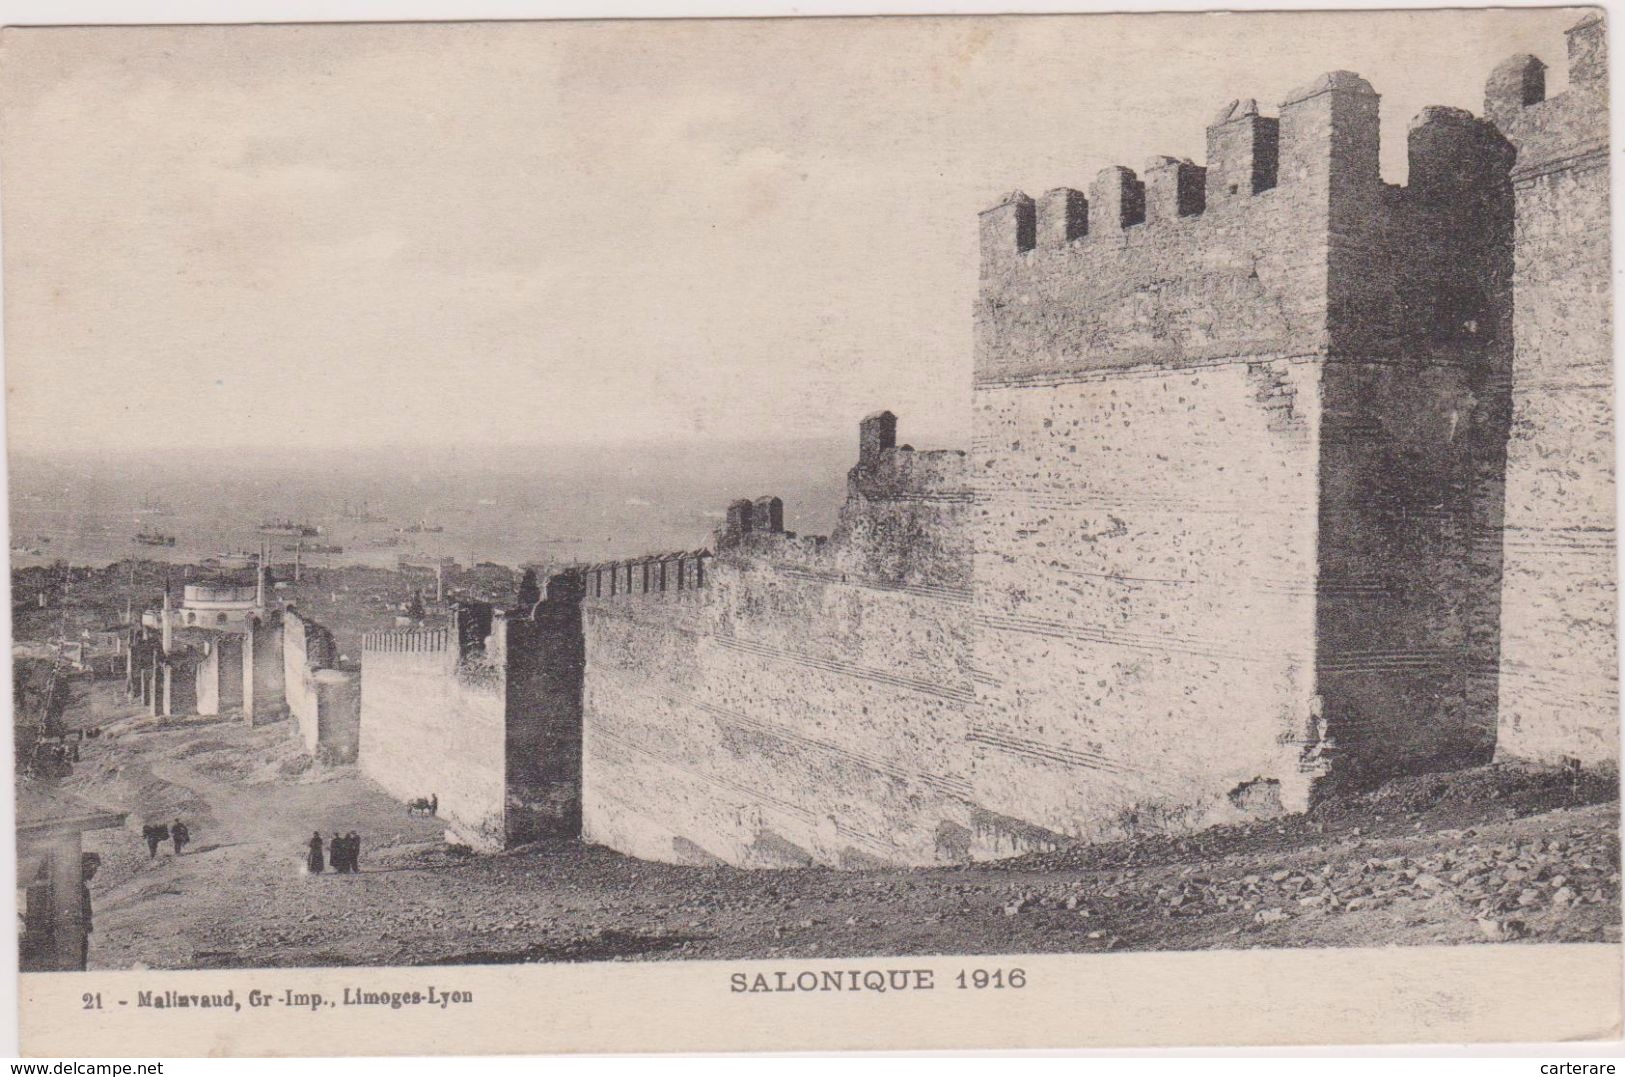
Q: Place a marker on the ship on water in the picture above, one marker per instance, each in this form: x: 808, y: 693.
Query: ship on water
x: 154, y: 507
x: 154, y: 538
x: 362, y: 515
x: 311, y: 547
x: 288, y: 527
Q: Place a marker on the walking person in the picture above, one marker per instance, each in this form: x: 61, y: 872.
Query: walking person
x: 156, y: 834
x: 180, y: 835
x: 313, y: 862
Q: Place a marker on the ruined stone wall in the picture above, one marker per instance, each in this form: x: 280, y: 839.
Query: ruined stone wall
x: 807, y: 704
x: 219, y: 679
x: 325, y: 709
x: 298, y: 678
x: 1230, y: 446
x: 207, y: 683
x: 1147, y: 409
x: 432, y: 726
x: 1558, y: 671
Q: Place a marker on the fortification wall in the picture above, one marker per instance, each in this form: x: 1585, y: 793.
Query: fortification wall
x: 1147, y: 408
x: 1415, y: 404
x: 1230, y: 451
x: 219, y: 679
x: 325, y: 703
x: 207, y: 683
x: 338, y: 708
x: 179, y: 688
x: 264, y: 690
x: 431, y: 728
x: 297, y: 675
x: 807, y: 705
x: 545, y: 657
x: 1145, y: 573
x: 1558, y: 670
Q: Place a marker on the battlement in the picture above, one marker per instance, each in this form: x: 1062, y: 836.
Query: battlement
x: 887, y: 471
x: 907, y: 474
x: 407, y: 641
x: 1277, y: 246
x: 1550, y: 132
x: 659, y: 573
x: 1325, y: 135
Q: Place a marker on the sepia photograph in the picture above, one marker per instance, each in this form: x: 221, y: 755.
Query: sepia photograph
x: 781, y: 496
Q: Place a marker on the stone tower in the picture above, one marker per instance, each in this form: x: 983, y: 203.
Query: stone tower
x: 1230, y: 428
x: 1557, y: 671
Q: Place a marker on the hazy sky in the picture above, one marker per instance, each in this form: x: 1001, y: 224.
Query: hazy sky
x: 588, y: 231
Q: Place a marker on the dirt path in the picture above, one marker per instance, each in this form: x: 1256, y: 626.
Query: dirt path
x: 251, y: 802
x: 1499, y: 854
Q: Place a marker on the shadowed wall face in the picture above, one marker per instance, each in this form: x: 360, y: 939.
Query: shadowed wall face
x: 484, y: 714
x: 1558, y: 671
x: 545, y: 658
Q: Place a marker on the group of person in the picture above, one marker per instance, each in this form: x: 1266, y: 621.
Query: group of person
x: 155, y: 834
x: 343, y: 852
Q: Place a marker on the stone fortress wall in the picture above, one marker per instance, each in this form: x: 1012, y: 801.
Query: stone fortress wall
x: 807, y: 704
x: 1557, y: 671
x: 1281, y: 478
x: 482, y: 715
x: 431, y: 727
x: 324, y: 702
x: 1229, y: 531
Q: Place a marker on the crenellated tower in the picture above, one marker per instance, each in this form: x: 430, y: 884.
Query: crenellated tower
x: 1556, y: 668
x: 1234, y: 444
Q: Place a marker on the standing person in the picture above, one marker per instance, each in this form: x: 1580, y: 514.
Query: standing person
x: 354, y: 844
x: 335, y: 852
x: 156, y: 835
x: 88, y: 865
x: 181, y: 836
x: 313, y: 862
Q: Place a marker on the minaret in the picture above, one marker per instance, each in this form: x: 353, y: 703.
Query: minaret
x: 167, y: 622
x: 259, y: 578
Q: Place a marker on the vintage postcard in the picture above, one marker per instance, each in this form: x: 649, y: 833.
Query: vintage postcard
x: 951, y: 532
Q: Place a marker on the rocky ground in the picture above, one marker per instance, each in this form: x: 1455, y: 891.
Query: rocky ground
x: 1501, y: 854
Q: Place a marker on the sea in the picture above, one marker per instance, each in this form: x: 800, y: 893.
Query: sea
x: 510, y: 504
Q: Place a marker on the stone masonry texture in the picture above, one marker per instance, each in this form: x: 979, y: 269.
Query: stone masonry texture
x: 1282, y: 479
x: 1558, y: 671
